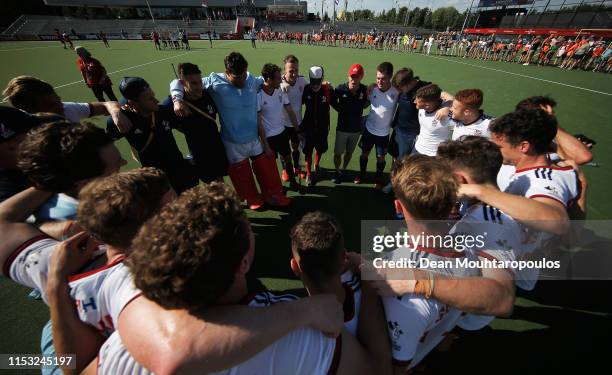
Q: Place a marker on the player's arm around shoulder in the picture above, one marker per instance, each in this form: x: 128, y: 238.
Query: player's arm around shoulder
x: 176, y: 342
x: 13, y: 213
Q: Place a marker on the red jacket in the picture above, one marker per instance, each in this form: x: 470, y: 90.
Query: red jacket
x: 93, y: 72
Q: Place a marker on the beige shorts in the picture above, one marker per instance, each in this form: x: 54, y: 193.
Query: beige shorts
x: 346, y: 142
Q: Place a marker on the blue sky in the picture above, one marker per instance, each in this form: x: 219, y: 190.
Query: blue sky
x: 379, y: 5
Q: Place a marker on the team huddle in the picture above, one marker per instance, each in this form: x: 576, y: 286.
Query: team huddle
x: 145, y: 271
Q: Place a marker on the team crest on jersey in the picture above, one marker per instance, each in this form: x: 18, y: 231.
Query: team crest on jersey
x: 552, y: 189
x: 210, y: 109
x: 324, y: 99
x: 361, y: 96
x: 166, y: 124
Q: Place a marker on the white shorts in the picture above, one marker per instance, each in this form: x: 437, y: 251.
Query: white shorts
x: 237, y: 152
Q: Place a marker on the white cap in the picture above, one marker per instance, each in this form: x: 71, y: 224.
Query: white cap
x: 316, y: 73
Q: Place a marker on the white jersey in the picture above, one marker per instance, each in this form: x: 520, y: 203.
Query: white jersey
x: 100, y: 294
x: 416, y: 324
x: 478, y: 128
x: 303, y: 351
x: 295, y: 99
x: 505, y: 240
x: 272, y: 109
x: 75, y: 112
x: 557, y: 183
x: 432, y: 133
x: 352, y: 301
x: 382, y: 110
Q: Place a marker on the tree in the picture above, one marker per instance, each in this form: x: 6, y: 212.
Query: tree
x: 392, y: 16
x: 326, y: 17
x: 401, y: 15
x: 427, y: 22
x: 442, y: 18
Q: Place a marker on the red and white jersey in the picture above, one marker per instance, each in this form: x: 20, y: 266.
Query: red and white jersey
x: 294, y: 93
x: 478, y: 128
x: 432, y: 133
x: 272, y: 109
x: 557, y: 183
x: 303, y: 351
x: 352, y: 301
x: 504, y: 239
x: 99, y: 294
x: 416, y: 324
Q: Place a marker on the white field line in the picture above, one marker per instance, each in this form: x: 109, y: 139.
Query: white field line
x: 520, y: 75
x: 23, y: 49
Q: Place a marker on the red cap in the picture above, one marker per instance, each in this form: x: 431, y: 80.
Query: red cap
x: 356, y: 70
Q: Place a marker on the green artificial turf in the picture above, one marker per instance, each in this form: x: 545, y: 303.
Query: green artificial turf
x: 559, y: 322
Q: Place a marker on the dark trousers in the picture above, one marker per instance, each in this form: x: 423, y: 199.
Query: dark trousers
x: 108, y: 90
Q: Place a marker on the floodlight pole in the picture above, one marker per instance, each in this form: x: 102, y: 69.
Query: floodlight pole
x: 150, y: 12
x: 467, y: 16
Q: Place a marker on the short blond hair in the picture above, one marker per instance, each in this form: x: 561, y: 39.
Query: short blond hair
x: 426, y: 187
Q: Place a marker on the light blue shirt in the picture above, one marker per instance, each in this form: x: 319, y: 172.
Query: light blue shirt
x: 59, y: 207
x: 237, y: 106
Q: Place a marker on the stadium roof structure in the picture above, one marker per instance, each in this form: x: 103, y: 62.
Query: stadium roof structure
x: 164, y: 3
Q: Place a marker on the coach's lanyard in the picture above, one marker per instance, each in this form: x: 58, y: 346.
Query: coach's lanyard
x: 192, y: 106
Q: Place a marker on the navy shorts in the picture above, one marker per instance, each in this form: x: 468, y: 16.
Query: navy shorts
x: 369, y: 140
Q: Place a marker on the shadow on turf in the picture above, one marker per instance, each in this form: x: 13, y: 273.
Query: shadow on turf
x: 502, y: 351
x: 349, y: 203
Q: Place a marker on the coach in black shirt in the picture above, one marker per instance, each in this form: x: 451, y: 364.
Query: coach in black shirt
x: 406, y: 121
x: 200, y: 127
x: 151, y: 137
x: 349, y: 99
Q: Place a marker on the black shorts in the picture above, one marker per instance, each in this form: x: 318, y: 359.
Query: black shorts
x: 207, y: 150
x: 315, y: 142
x: 280, y: 143
x: 292, y: 135
x: 369, y: 140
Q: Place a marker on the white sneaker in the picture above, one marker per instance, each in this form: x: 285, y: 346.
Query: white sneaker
x: 525, y: 64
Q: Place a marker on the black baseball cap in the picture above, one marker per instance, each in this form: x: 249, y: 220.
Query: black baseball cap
x: 132, y: 87
x: 14, y: 121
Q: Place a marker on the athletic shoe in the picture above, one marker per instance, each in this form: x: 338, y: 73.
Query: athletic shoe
x: 337, y: 179
x: 293, y: 185
x: 285, y: 176
x: 358, y: 180
x: 378, y: 185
